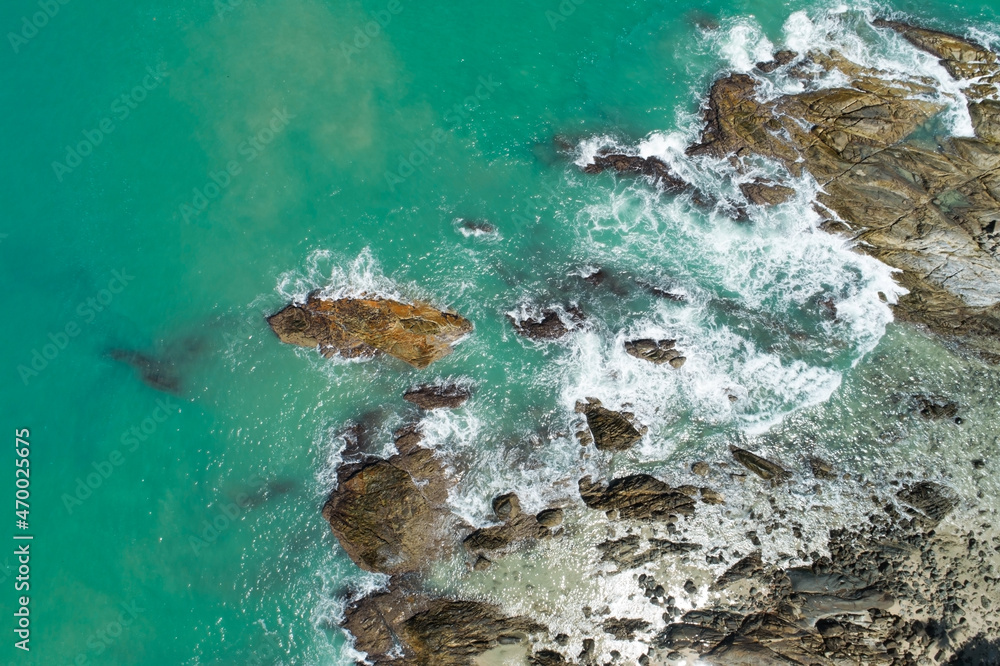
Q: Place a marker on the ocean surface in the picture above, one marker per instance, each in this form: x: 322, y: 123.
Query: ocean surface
x: 174, y: 172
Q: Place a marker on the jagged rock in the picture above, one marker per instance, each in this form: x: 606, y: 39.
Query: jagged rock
x: 647, y: 166
x: 781, y: 58
x: 709, y: 496
x: 924, y: 210
x: 765, y: 469
x: 435, y: 397
x: 612, y: 431
x: 655, y: 351
x: 547, y: 658
x: 624, y: 629
x: 356, y: 327
x: 931, y: 499
x: 766, y: 193
x: 550, y: 326
x: 682, y: 636
x: 749, y: 566
x: 822, y: 469
x: 407, y: 628
x: 550, y: 517
x: 518, y: 528
x: 506, y: 506
x: 389, y: 515
x: 701, y: 468
x: 934, y: 407
x: 628, y: 552
x: 637, y: 497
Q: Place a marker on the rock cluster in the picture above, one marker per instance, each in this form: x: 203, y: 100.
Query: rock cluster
x: 636, y: 497
x: 548, y: 325
x: 518, y: 529
x: 655, y: 168
x: 361, y: 327
x: 927, y: 209
x: 655, y: 351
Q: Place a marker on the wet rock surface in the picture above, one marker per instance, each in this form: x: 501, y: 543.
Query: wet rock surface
x: 388, y: 515
x: 548, y: 325
x: 518, y: 529
x: 447, y: 396
x: 636, y: 497
x: 655, y: 168
x: 762, y: 467
x: 403, y: 626
x: 655, y: 351
x: 609, y: 430
x: 360, y: 327
x: 929, y: 210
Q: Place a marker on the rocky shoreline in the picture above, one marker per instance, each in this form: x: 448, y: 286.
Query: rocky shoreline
x: 912, y: 578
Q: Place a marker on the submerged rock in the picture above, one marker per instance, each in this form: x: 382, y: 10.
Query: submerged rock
x: 636, y: 497
x: 358, y: 327
x: 655, y: 351
x: 610, y: 430
x: 934, y: 407
x: 763, y: 468
x: 435, y: 397
x: 157, y: 374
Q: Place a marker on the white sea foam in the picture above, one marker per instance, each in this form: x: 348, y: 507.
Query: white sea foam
x: 337, y: 277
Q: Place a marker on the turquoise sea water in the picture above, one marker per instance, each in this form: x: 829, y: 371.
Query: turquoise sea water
x: 242, y: 153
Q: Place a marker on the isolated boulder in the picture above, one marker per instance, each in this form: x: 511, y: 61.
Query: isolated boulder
x: 360, y: 327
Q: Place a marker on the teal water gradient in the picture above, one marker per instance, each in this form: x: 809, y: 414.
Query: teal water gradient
x: 250, y: 428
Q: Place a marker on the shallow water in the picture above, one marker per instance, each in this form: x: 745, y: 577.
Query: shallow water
x: 256, y: 157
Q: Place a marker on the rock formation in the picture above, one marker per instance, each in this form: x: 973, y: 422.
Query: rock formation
x: 655, y: 351
x: 436, y: 397
x: 609, y: 430
x: 928, y: 209
x: 362, y: 327
x: 389, y: 515
x: 636, y: 497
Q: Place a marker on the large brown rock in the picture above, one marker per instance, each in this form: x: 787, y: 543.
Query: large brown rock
x: 405, y: 627
x: 929, y: 211
x: 637, y: 497
x: 389, y: 515
x: 610, y: 430
x: 361, y: 327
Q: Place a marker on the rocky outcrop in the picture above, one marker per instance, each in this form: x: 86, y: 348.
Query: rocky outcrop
x: 405, y: 627
x: 766, y: 193
x: 609, y: 430
x: 930, y: 499
x: 655, y: 351
x: 930, y: 211
x: 655, y: 168
x: 389, y: 515
x: 362, y: 327
x: 518, y: 529
x: 548, y: 325
x: 636, y: 497
x: 448, y: 396
x: 763, y: 468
